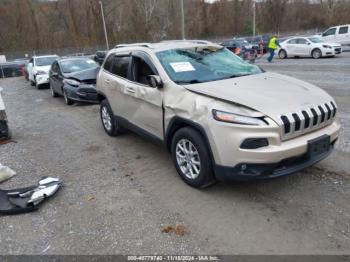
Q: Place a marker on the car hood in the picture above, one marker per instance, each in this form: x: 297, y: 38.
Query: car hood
x: 325, y: 43
x: 85, y: 74
x: 43, y: 68
x: 269, y: 93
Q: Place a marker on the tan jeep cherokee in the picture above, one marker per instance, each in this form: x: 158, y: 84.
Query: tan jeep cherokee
x: 220, y: 117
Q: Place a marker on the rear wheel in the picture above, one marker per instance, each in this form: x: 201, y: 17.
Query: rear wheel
x: 316, y: 53
x: 191, y: 158
x: 282, y: 54
x: 109, y: 123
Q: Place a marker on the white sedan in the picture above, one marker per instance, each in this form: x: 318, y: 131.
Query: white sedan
x: 308, y: 47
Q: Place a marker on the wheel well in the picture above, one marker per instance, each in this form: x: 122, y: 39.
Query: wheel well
x: 101, y: 97
x: 316, y: 48
x: 178, y: 123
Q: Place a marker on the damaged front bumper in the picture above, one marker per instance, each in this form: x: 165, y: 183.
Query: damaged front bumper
x: 4, y: 130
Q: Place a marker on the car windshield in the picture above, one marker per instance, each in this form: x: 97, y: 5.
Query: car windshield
x: 198, y: 65
x: 45, y: 61
x: 75, y: 65
x: 316, y: 40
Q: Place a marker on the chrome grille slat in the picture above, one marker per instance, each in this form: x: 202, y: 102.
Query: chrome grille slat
x: 307, y: 120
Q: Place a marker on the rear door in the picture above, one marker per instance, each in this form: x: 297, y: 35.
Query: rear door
x: 303, y: 47
x: 143, y: 101
x: 290, y: 47
x: 116, y: 81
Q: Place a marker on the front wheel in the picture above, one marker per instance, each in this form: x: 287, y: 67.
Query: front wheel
x: 316, y: 54
x: 53, y: 93
x: 191, y: 158
x: 282, y: 54
x: 67, y: 100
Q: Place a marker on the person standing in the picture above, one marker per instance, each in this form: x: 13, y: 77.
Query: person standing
x: 272, y: 46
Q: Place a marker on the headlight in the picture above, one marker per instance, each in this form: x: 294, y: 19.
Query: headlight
x: 40, y: 72
x: 236, y: 119
x: 326, y: 46
x: 71, y: 82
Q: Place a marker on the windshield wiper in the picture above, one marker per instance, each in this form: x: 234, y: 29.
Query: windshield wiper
x: 193, y: 81
x: 234, y: 76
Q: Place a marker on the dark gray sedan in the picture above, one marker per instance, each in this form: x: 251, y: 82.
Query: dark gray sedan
x: 74, y: 79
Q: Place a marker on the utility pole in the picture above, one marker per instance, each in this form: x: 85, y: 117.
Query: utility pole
x: 182, y: 19
x: 104, y: 24
x: 254, y: 18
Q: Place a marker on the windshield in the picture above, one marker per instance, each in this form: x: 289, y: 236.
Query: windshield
x: 316, y: 40
x: 75, y: 65
x: 45, y: 61
x: 198, y: 65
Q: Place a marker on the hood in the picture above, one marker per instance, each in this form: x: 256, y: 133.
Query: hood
x: 269, y: 93
x: 85, y: 74
x: 43, y: 68
x: 334, y: 44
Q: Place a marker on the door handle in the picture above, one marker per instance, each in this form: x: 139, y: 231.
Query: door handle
x: 107, y: 81
x: 130, y: 90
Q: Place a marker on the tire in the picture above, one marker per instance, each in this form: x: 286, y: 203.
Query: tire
x: 32, y: 83
x: 316, y: 53
x: 199, y: 173
x: 67, y: 100
x: 282, y: 54
x: 53, y: 93
x: 37, y: 86
x: 109, y: 123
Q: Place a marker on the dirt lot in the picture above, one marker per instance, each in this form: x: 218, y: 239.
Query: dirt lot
x: 120, y: 191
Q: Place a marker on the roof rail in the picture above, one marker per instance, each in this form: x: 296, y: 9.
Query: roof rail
x: 136, y: 44
x: 195, y: 41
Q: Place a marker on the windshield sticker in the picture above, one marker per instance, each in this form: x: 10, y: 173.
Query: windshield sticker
x: 182, y: 67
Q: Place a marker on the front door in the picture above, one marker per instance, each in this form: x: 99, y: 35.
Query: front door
x: 144, y: 103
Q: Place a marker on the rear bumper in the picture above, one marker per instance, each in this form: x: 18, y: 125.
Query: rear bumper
x: 249, y: 171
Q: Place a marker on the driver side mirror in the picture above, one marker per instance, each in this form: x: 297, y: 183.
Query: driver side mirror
x: 154, y: 81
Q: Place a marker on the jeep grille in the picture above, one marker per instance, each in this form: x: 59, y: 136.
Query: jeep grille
x: 307, y: 120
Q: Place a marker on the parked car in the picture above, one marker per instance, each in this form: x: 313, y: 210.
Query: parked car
x: 308, y: 47
x: 242, y: 48
x: 258, y: 40
x: 337, y: 34
x: 12, y: 68
x: 100, y: 56
x: 38, y: 69
x: 75, y: 79
x: 219, y: 116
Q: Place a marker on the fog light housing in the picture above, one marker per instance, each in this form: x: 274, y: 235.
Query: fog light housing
x: 254, y: 143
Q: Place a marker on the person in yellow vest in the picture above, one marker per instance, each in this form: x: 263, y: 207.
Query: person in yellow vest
x: 272, y: 46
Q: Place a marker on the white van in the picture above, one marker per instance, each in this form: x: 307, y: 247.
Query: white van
x: 337, y: 34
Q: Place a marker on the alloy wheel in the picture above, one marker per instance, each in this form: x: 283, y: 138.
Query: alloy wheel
x: 187, y: 158
x: 106, y: 119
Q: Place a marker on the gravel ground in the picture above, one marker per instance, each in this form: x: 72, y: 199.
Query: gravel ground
x: 119, y: 192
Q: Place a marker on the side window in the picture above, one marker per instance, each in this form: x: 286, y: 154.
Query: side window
x: 301, y: 41
x: 343, y: 30
x: 120, y: 66
x: 108, y: 64
x: 292, y: 41
x: 140, y: 71
x: 329, y: 32
x: 54, y: 67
